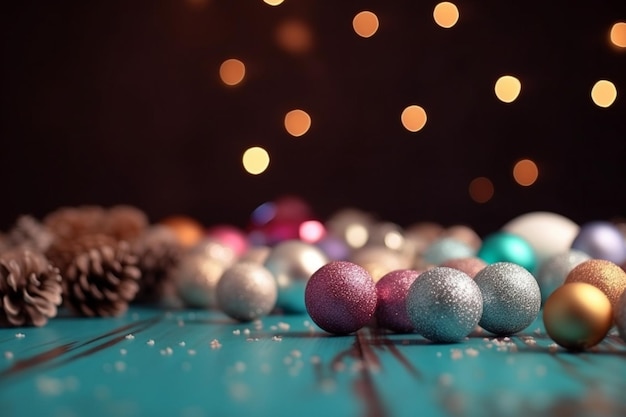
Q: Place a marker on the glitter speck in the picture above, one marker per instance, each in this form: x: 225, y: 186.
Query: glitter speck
x: 456, y: 354
x: 236, y: 332
x: 120, y: 366
x: 181, y: 344
x: 129, y: 336
x: 123, y: 352
x: 471, y: 352
x: 191, y: 352
x: 277, y: 338
x: 283, y: 326
x: 150, y: 342
x: 8, y: 355
x: 215, y: 344
x: 20, y: 335
x: 168, y: 351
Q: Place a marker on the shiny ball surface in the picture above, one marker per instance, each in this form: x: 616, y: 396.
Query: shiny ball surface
x: 340, y: 297
x: 392, y: 290
x: 246, y: 291
x: 471, y: 266
x: 603, y: 274
x: 619, y: 316
x: 577, y: 316
x: 292, y: 262
x: 444, y: 304
x: 511, y: 298
x: 548, y: 233
x: 444, y: 249
x: 508, y: 247
x: 601, y: 240
x: 554, y: 270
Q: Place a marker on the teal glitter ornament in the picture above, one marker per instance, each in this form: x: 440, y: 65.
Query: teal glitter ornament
x: 508, y: 247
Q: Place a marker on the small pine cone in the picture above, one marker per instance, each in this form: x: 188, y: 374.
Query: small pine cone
x: 158, y: 251
x: 125, y: 222
x: 30, y: 232
x: 67, y: 223
x: 100, y: 274
x: 30, y: 288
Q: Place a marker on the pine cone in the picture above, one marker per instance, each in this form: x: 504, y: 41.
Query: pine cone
x: 158, y: 252
x: 30, y: 288
x: 67, y: 223
x: 100, y: 274
x: 30, y: 232
x: 125, y: 222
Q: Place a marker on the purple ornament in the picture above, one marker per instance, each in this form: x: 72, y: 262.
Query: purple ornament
x: 392, y: 289
x: 601, y: 240
x: 340, y: 297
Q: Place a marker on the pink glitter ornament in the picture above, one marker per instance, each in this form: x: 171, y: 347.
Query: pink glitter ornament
x: 340, y: 297
x: 391, y: 311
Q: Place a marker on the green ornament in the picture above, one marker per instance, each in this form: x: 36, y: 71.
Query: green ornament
x: 508, y: 247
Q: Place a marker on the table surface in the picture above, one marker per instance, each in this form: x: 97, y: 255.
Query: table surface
x: 195, y: 363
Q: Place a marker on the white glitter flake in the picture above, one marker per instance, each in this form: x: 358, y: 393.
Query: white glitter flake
x: 553, y: 347
x: 246, y: 332
x: 284, y: 326
x: 150, y: 342
x: 215, y: 344
x: 191, y: 352
x: 296, y: 353
x: 182, y: 344
x: 236, y: 332
x: 8, y: 355
x: 277, y: 338
x: 20, y: 335
x: 130, y: 336
x: 168, y: 351
x: 456, y: 354
x: 123, y: 352
x: 120, y: 366
x: 471, y: 352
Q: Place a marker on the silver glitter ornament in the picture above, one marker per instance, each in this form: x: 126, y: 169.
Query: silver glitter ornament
x: 511, y: 298
x: 292, y: 263
x: 246, y: 291
x: 444, y: 304
x: 554, y: 270
x: 196, y: 275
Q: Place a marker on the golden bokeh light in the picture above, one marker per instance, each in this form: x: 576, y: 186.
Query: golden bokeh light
x: 507, y: 88
x: 255, y: 160
x: 273, y: 2
x: 232, y: 71
x: 481, y: 189
x: 294, y: 36
x: 356, y: 235
x: 618, y: 34
x: 297, y: 122
x: 603, y: 93
x: 525, y: 172
x: 365, y: 24
x: 413, y: 118
x: 446, y: 14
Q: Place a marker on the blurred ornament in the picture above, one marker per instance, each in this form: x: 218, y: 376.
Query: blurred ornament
x: 335, y: 248
x: 30, y: 288
x: 620, y: 316
x: 444, y: 304
x: 601, y: 240
x: 577, y: 316
x: 187, y: 230
x: 508, y: 247
x: 279, y: 220
x: 311, y: 231
x: 257, y: 254
x: 340, y: 297
x: 292, y: 263
x: 471, y: 266
x: 246, y: 291
x: 422, y: 235
x: 386, y: 234
x: 511, y: 298
x: 554, y: 270
x: 352, y: 225
x: 548, y: 233
x: 603, y: 274
x: 379, y: 260
x: 230, y: 236
x: 446, y: 248
x: 198, y: 272
x: 158, y: 253
x: 100, y: 274
x: 392, y: 290
x: 464, y: 234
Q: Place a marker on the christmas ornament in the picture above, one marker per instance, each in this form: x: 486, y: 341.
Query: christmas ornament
x: 444, y: 249
x: 603, y: 274
x: 554, y: 270
x: 601, y: 240
x: 508, y: 247
x: 391, y: 291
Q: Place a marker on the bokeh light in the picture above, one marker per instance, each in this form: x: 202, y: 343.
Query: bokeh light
x: 294, y: 36
x: 273, y: 2
x: 481, y: 189
x: 356, y: 235
x: 618, y: 34
x: 255, y: 160
x: 446, y: 14
x: 365, y: 24
x: 297, y: 122
x: 507, y: 88
x: 525, y: 172
x: 413, y: 118
x: 232, y: 71
x: 311, y: 231
x: 603, y: 93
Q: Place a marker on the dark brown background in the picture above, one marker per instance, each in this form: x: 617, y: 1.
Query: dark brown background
x: 107, y: 102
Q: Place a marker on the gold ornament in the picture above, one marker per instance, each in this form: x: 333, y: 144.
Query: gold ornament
x: 603, y: 274
x: 577, y: 315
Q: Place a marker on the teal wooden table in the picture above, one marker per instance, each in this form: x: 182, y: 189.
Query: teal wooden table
x: 197, y: 363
